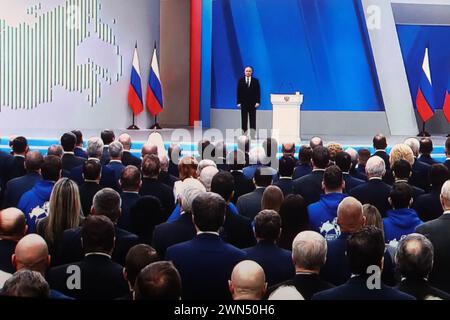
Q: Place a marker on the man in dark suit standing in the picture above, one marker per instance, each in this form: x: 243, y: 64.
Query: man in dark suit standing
x: 130, y: 183
x: 248, y: 99
x: 92, y: 172
x: 108, y: 137
x: 420, y: 170
x: 447, y: 153
x: 79, y: 151
x: 242, y: 185
x: 127, y: 157
x: 249, y: 205
x: 115, y: 163
x: 69, y: 159
x: 380, y: 145
x: 16, y: 165
x: 344, y: 162
x: 286, y: 166
x: 425, y: 150
x: 13, y: 227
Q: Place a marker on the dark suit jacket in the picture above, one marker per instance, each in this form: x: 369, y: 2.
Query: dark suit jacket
x: 356, y: 289
x: 427, y: 159
x: 276, y: 262
x: 306, y: 284
x: 375, y: 192
x: 105, y: 156
x: 101, y: 279
x: 351, y: 182
x: 388, y: 177
x: 173, y: 169
x: 170, y: 233
x: 71, y: 250
x: 87, y: 193
x: 421, y: 289
x: 359, y: 174
x: 237, y: 230
x: 168, y: 179
x: 7, y: 248
x: 15, y: 188
x: 248, y: 97
x: 128, y: 159
x: 152, y: 187
x: 419, y: 176
x: 205, y: 264
x: 80, y: 152
x: 107, y: 180
x: 286, y: 185
x: 249, y: 205
x: 301, y: 171
x: 70, y: 161
x: 428, y: 206
x: 310, y: 186
x: 128, y: 200
x: 15, y: 167
x: 447, y: 164
x: 242, y: 185
x: 438, y: 232
x: 117, y: 167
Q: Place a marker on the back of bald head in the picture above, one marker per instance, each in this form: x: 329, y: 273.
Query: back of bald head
x: 13, y: 224
x: 31, y: 253
x: 149, y: 149
x: 125, y: 140
x: 350, y: 215
x: 248, y: 281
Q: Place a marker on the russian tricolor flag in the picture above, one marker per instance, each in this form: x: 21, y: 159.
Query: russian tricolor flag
x: 135, y: 90
x: 154, y: 90
x: 425, y: 97
x: 446, y: 107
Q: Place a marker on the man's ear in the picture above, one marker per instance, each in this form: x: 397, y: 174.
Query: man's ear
x: 49, y: 260
x: 14, y: 261
x: 323, y: 185
x: 125, y: 274
x: 93, y: 210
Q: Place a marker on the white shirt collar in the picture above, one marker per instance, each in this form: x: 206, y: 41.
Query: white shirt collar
x: 287, y: 178
x: 88, y: 180
x: 96, y: 159
x: 402, y: 180
x: 208, y: 232
x: 375, y: 178
x: 135, y: 192
x: 446, y: 212
x: 19, y: 155
x: 69, y: 152
x: 97, y: 254
x: 119, y: 161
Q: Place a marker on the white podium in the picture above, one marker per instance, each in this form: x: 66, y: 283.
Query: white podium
x: 286, y: 117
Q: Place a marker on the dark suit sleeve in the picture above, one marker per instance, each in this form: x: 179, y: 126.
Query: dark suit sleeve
x: 258, y: 92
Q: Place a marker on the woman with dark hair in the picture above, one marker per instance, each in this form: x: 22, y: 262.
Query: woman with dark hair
x: 294, y: 219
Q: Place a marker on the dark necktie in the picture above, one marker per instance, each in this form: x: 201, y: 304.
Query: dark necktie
x: 248, y: 82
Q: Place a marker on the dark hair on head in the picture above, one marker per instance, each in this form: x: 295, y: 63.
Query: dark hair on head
x: 364, y: 155
x: 130, y: 178
x: 290, y: 150
x: 68, y: 141
x: 51, y: 168
x: 379, y: 142
x: 343, y: 161
x: 263, y: 177
x: 438, y: 174
x: 305, y: 154
x: 267, y: 225
x: 19, y: 144
x: 321, y: 157
x: 145, y: 215
x: 97, y: 234
x: 272, y: 198
x: 208, y: 210
x: 401, y: 195
x: 223, y: 184
x: 107, y: 136
x: 294, y: 219
x: 332, y: 178
x: 286, y: 166
x: 426, y: 146
x: 402, y: 169
x: 151, y: 166
x: 33, y: 161
x: 107, y: 202
x: 236, y: 159
x: 138, y: 257
x: 79, y: 136
x: 26, y: 284
x: 365, y: 248
x: 205, y: 149
x: 414, y: 257
x: 92, y: 169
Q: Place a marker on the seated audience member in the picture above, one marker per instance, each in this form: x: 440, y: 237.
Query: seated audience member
x: 248, y: 281
x: 130, y: 183
x: 272, y: 198
x: 158, y: 281
x: 322, y: 214
x: 374, y: 191
x: 249, y: 204
x: 206, y: 262
x: 115, y: 162
x: 420, y: 170
x: 15, y: 188
x: 152, y: 187
x: 34, y: 203
x: 145, y: 214
x: 438, y: 232
x: 294, y: 219
x: 206, y: 175
x: 309, y: 251
x: 286, y: 166
x: 401, y: 170
x: 164, y: 175
x: 128, y: 159
x: 363, y: 157
x: 344, y: 161
x: 304, y: 166
x: 425, y: 150
x: 276, y: 262
x: 92, y: 173
x: 428, y: 206
x: 79, y: 151
x: 414, y: 261
x: 310, y: 185
x: 27, y: 284
x: 108, y: 137
x: 138, y: 258
x: 365, y: 250
x: 100, y: 278
x: 401, y: 220
x: 15, y: 167
x: 242, y: 185
x: 69, y: 160
x: 64, y: 213
x: 237, y: 229
x: 106, y: 203
x: 13, y: 227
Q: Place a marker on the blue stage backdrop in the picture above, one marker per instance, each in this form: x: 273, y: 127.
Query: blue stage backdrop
x: 413, y: 41
x: 320, y: 48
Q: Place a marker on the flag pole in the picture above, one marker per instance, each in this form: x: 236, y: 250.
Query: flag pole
x: 156, y: 126
x: 133, y: 126
x: 423, y: 133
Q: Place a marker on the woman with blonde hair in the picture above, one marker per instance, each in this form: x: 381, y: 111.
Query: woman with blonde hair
x: 401, y: 151
x: 64, y: 213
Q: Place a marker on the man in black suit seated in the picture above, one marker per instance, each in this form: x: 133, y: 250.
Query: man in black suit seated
x: 309, y: 251
x: 130, y: 183
x: 414, y: 259
x: 108, y: 137
x: 159, y: 281
x: 242, y: 185
x: 127, y: 157
x: 365, y: 252
x: 420, y: 170
x: 152, y: 187
x: 375, y: 191
x: 249, y: 204
x: 206, y: 262
x: 344, y: 162
x: 428, y: 206
x: 115, y: 162
x: 447, y: 153
x: 304, y: 165
x: 276, y: 262
x: 310, y: 186
x: 92, y: 173
x: 69, y: 159
x: 96, y: 276
x: 106, y: 203
x: 425, y: 150
x: 79, y: 151
x: 248, y: 281
x: 438, y: 232
x: 15, y: 167
x: 15, y: 188
x: 138, y: 258
x: 13, y: 227
x: 380, y: 145
x: 164, y: 175
x: 401, y: 170
x: 174, y: 154
x: 286, y: 166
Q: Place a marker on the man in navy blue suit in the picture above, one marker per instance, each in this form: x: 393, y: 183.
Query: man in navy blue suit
x: 248, y: 99
x: 130, y: 183
x: 420, y: 170
x: 69, y: 159
x: 79, y: 151
x: 115, y: 163
x: 304, y: 166
x: 365, y: 250
x: 286, y: 169
x: 344, y: 162
x: 425, y: 150
x: 206, y: 262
